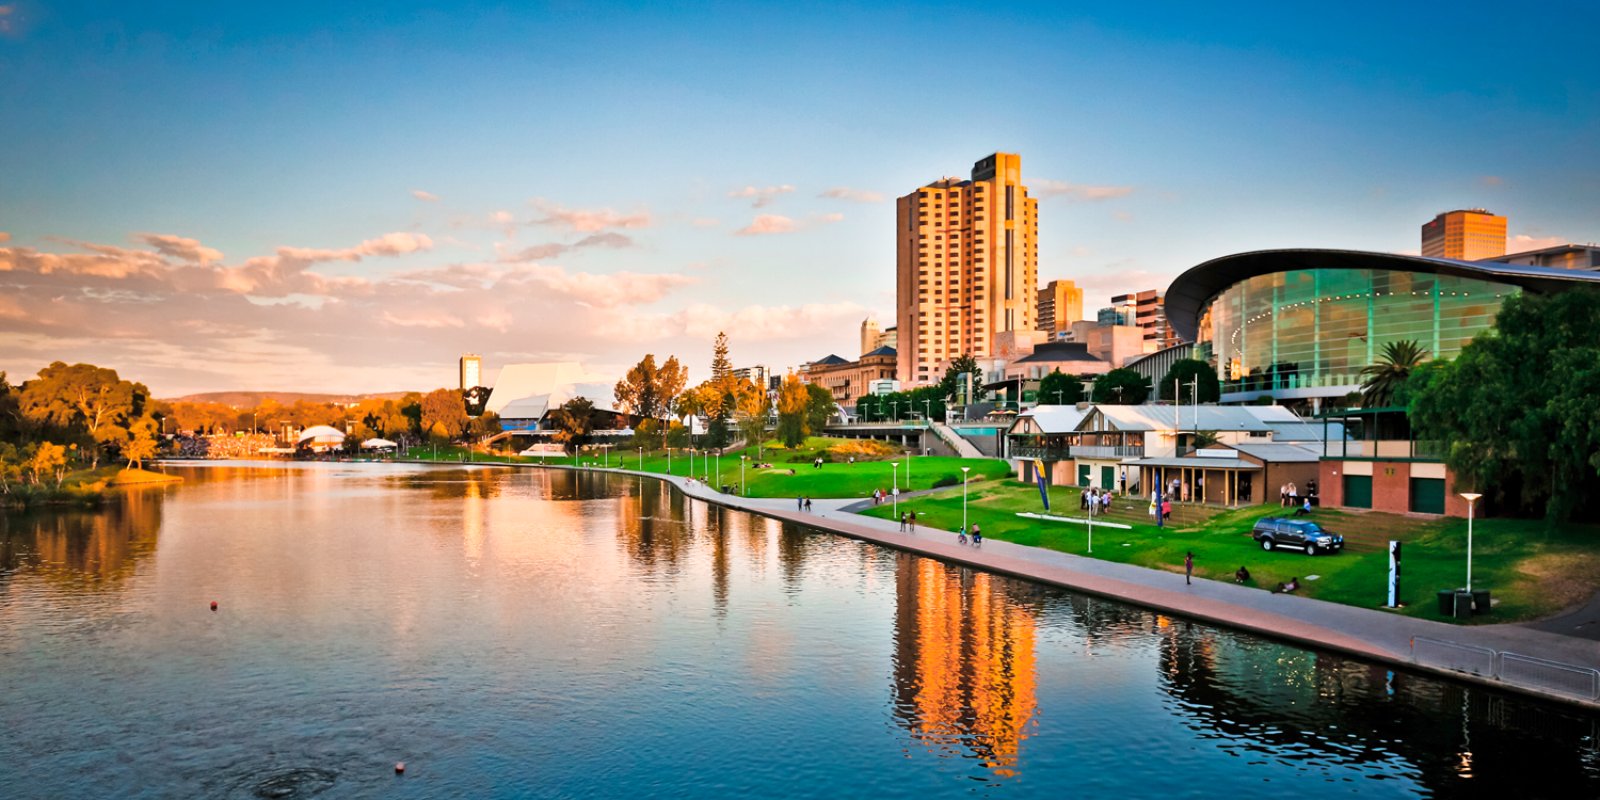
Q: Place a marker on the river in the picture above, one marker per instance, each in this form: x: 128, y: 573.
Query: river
x: 531, y: 633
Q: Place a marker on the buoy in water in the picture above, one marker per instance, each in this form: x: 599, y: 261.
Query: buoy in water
x: 213, y: 605
x: 399, y: 767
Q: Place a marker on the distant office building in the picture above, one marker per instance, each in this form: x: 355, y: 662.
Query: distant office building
x: 1060, y: 305
x: 1469, y: 234
x: 849, y: 380
x: 1565, y: 256
x: 757, y: 375
x: 1149, y: 315
x: 966, y: 267
x: 1114, y: 315
x: 872, y: 338
x: 471, y: 371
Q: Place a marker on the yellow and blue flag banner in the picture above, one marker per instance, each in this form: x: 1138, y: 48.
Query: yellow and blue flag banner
x: 1038, y: 475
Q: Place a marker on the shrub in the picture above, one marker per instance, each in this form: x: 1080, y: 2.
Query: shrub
x: 947, y: 480
x: 864, y: 450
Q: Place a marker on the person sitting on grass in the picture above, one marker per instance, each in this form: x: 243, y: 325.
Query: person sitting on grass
x: 1292, y: 585
x: 1242, y: 576
x: 1304, y: 509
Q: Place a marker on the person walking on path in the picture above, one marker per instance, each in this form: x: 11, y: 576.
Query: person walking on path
x: 977, y: 536
x: 800, y: 503
x: 913, y: 522
x: 1188, y: 567
x: 903, y: 521
x: 808, y: 505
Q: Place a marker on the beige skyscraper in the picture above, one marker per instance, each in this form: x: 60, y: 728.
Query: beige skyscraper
x: 869, y: 335
x: 1060, y: 305
x: 471, y: 371
x: 966, y: 266
x: 1466, y: 234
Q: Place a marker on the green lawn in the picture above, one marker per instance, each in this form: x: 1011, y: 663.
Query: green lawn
x: 1533, y: 571
x: 832, y: 480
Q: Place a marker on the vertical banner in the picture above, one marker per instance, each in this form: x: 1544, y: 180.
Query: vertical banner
x: 1394, y: 574
x: 1160, y: 517
x: 1038, y: 475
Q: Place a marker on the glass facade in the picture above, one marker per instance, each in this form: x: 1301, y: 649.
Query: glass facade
x: 1316, y: 329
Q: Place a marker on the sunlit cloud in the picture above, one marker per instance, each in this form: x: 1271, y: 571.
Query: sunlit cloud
x: 1077, y: 192
x: 589, y: 220
x: 699, y: 222
x: 178, y: 247
x: 767, y: 224
x: 1522, y: 243
x: 427, y: 197
x: 1492, y: 180
x: 853, y: 195
x: 4, y: 237
x: 762, y: 196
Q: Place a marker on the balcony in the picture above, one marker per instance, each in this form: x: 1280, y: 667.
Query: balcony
x: 1042, y: 452
x: 1108, y: 451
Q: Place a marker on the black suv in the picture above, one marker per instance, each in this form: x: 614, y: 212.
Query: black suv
x: 1302, y: 534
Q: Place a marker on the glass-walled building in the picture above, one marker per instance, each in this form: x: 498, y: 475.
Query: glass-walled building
x: 1300, y: 325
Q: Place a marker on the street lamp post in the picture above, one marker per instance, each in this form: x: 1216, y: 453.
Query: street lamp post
x: 1472, y: 499
x: 719, y: 469
x: 742, y: 487
x: 927, y: 413
x: 894, y: 467
x: 641, y: 459
x: 964, y: 499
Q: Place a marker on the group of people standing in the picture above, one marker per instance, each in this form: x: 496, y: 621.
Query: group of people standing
x: 880, y: 496
x: 908, y: 522
x: 1096, y: 500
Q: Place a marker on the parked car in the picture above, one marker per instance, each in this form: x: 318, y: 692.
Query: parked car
x: 1306, y: 535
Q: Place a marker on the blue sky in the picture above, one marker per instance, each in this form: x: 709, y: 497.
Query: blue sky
x: 583, y: 169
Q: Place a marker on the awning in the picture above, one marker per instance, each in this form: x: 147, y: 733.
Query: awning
x: 1196, y: 463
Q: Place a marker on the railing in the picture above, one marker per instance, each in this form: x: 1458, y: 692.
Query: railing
x: 1108, y: 451
x: 1529, y: 672
x: 1040, y: 451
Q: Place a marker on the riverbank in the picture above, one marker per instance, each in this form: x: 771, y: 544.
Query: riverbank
x: 84, y: 488
x: 1477, y: 653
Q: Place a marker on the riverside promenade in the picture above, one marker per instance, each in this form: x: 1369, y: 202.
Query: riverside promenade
x: 1462, y: 652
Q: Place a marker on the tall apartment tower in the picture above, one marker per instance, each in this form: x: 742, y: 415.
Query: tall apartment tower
x: 471, y: 371
x: 1468, y: 234
x: 966, y: 267
x: 1060, y: 305
x: 1149, y: 313
x: 869, y: 335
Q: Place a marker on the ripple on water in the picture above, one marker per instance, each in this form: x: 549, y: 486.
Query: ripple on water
x: 290, y: 783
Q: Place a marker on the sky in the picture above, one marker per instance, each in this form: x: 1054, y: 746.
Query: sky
x: 330, y: 197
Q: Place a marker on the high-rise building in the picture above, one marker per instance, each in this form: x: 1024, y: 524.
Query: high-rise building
x: 1149, y: 314
x: 1060, y: 305
x: 966, y: 266
x: 471, y: 371
x: 1468, y: 234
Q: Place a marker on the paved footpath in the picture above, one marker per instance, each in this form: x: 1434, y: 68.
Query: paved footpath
x: 1369, y: 633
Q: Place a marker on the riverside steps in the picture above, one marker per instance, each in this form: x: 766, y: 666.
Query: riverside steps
x: 1509, y: 656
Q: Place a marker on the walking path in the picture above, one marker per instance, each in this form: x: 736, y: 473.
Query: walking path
x: 1368, y: 633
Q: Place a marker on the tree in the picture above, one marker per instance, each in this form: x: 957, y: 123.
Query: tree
x: 1385, y: 378
x: 1121, y: 386
x: 85, y: 403
x: 1059, y: 389
x: 751, y: 409
x: 648, y: 390
x: 11, y: 463
x: 444, y: 414
x: 721, y: 366
x: 141, y: 444
x: 49, y: 461
x: 794, y: 398
x: 950, y: 384
x: 1185, y: 370
x: 1519, y: 408
x: 573, y: 421
x: 819, y: 408
x: 678, y: 435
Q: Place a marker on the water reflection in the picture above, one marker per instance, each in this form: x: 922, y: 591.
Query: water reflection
x: 965, y: 678
x: 80, y: 549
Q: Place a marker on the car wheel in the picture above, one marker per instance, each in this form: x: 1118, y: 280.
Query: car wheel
x: 1311, y: 550
x: 1266, y: 544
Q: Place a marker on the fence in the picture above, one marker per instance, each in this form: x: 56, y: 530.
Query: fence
x: 1529, y: 672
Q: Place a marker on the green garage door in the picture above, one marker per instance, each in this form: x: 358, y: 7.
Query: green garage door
x: 1358, y: 491
x: 1427, y: 495
x: 1108, y: 478
x: 1083, y: 474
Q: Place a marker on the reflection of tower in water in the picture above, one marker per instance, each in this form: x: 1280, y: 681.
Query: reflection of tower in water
x: 965, y: 679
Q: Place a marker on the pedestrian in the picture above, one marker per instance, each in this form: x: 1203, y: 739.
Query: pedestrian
x: 1083, y: 500
x: 961, y: 535
x: 799, y: 504
x: 1304, y: 509
x: 1166, y: 509
x: 808, y: 505
x: 977, y: 536
x: 903, y: 521
x: 1105, y: 502
x: 913, y: 522
x: 1124, y: 480
x: 1283, y: 496
x: 1188, y: 566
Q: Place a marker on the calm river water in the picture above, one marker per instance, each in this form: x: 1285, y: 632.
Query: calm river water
x: 551, y: 634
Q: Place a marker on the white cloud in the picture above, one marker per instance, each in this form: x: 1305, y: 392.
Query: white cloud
x: 767, y: 224
x: 699, y: 222
x: 853, y: 195
x: 1521, y: 243
x: 428, y: 197
x: 761, y: 197
x: 1077, y: 192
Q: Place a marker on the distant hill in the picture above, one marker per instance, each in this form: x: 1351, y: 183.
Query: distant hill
x: 252, y: 399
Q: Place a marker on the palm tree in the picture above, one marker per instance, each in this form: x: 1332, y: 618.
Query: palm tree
x: 1386, y: 377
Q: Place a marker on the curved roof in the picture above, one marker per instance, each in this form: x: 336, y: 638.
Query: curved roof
x: 321, y: 433
x: 1060, y: 351
x: 1191, y: 291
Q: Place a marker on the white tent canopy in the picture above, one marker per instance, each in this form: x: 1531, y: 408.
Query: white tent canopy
x: 378, y: 444
x: 320, y: 434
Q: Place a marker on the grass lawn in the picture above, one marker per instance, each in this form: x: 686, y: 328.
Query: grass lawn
x: 833, y: 480
x: 1531, y: 570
